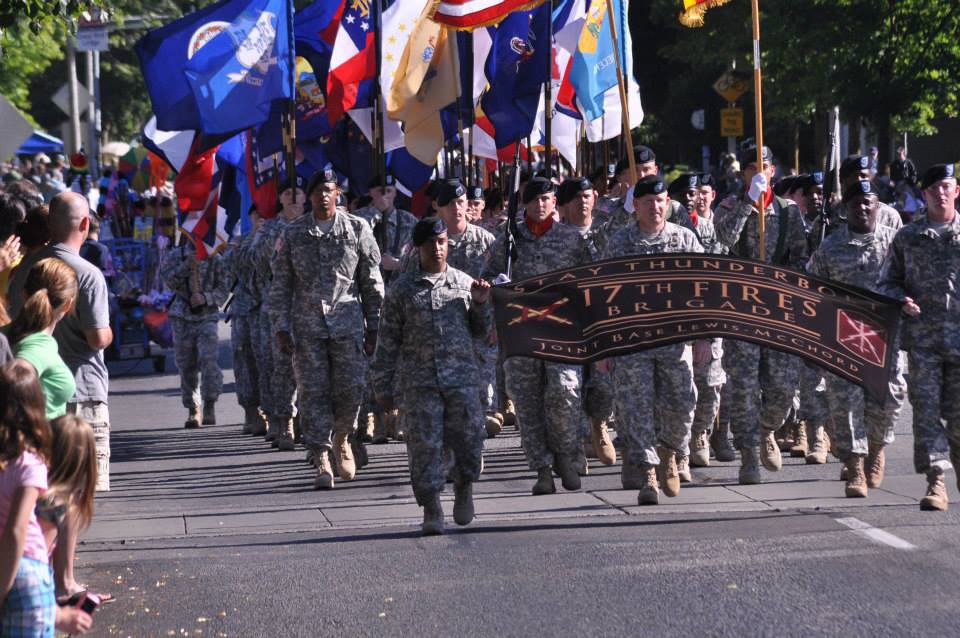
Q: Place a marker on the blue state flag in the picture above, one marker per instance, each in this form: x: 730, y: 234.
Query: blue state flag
x: 238, y: 74
x: 594, y: 68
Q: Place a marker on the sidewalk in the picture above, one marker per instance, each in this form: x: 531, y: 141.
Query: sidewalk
x: 168, y: 482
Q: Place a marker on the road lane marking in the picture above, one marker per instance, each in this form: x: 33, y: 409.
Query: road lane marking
x: 871, y: 533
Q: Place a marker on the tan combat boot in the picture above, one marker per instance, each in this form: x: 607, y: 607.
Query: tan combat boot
x: 700, y: 450
x: 510, y: 414
x: 493, y: 425
x: 210, y: 413
x: 770, y: 451
x: 819, y: 445
x: 284, y: 439
x: 955, y: 460
x: 683, y: 469
x: 273, y: 428
x: 856, y: 479
x: 667, y: 473
x: 193, y: 419
x: 463, y: 504
x: 876, y: 464
x: 344, y: 456
x: 800, y: 445
x: 433, y: 516
x: 720, y: 442
x: 367, y: 425
x: 544, y: 484
x: 250, y: 415
x: 749, y: 467
x: 258, y: 427
x: 324, y: 479
x: 601, y: 443
x: 379, y: 428
x: 936, y: 498
x: 649, y: 493
x: 784, y: 437
x: 631, y: 476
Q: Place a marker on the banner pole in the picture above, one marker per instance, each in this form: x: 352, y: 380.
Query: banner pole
x: 292, y: 105
x: 621, y: 84
x: 758, y: 97
x: 548, y: 98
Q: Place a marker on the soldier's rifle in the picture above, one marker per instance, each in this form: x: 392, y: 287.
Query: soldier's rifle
x: 512, y: 210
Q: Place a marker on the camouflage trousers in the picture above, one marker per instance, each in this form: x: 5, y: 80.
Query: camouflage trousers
x: 859, y: 420
x: 277, y: 381
x: 442, y: 419
x: 813, y: 396
x: 655, y: 399
x: 246, y: 375
x: 263, y: 346
x: 486, y: 357
x: 935, y: 397
x: 331, y: 375
x: 762, y: 383
x: 709, y: 378
x: 547, y: 397
x: 597, y: 399
x: 195, y: 351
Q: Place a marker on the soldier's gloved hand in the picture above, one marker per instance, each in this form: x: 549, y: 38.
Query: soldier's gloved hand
x: 480, y: 291
x: 285, y: 342
x: 370, y: 342
x: 758, y: 186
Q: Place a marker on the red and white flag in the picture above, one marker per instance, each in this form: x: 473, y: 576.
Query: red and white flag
x: 467, y: 15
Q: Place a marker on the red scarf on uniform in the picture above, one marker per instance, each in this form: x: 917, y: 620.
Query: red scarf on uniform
x: 539, y: 228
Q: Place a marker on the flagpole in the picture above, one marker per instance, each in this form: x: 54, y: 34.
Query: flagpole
x: 473, y: 112
x: 759, y: 121
x: 379, y: 144
x: 292, y: 105
x: 548, y: 97
x: 624, y: 106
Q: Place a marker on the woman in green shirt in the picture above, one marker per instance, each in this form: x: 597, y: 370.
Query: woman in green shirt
x: 49, y: 294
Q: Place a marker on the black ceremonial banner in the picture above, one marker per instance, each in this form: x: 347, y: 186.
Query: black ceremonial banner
x: 618, y: 306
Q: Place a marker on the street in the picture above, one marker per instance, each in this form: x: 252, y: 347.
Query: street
x: 210, y: 532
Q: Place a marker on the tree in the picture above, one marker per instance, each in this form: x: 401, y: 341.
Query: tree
x: 34, y: 14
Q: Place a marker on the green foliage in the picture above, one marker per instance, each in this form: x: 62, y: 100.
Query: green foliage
x: 34, y: 14
x: 26, y: 55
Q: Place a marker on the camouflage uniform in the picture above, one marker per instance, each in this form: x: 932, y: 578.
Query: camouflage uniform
x: 244, y: 322
x: 195, y: 339
x: 708, y: 376
x: 750, y: 368
x: 857, y: 418
x: 392, y: 235
x: 922, y: 265
x: 429, y: 323
x: 326, y: 292
x: 653, y: 389
x: 547, y: 395
x: 887, y: 216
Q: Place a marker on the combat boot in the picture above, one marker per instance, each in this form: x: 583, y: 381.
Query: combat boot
x: 193, y: 419
x: 567, y: 471
x: 819, y: 445
x: 749, y: 467
x: 433, y: 516
x: 493, y: 425
x: 649, y: 493
x: 700, y: 450
x: 366, y: 427
x: 544, y: 484
x: 359, y: 453
x: 856, y: 479
x: 683, y: 469
x: 631, y: 477
x: 667, y: 474
x: 344, y: 456
x: 273, y: 429
x: 324, y: 479
x: 720, y: 442
x: 601, y: 443
x: 284, y: 439
x: 876, y: 464
x: 398, y: 434
x: 936, y: 498
x: 784, y: 437
x: 770, y: 451
x: 209, y: 413
x: 955, y: 460
x: 800, y: 445
x: 510, y: 414
x: 250, y: 415
x: 379, y: 428
x: 463, y: 504
x: 258, y: 427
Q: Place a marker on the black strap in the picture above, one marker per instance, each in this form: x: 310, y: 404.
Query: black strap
x: 783, y: 220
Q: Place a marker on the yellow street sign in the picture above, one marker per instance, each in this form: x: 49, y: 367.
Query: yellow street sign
x: 730, y: 87
x: 731, y: 122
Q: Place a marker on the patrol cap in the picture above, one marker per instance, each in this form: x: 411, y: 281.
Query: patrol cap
x: 381, y: 180
x: 572, y: 187
x: 748, y: 154
x: 427, y: 228
x: 326, y: 175
x: 785, y: 185
x: 857, y: 189
x: 936, y: 173
x: 644, y: 154
x: 684, y: 182
x: 449, y: 190
x: 854, y: 164
x: 649, y: 185
x: 806, y: 182
x: 475, y: 192
x: 535, y: 188
x: 706, y: 179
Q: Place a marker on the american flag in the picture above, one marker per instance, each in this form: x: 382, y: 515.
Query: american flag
x: 472, y: 14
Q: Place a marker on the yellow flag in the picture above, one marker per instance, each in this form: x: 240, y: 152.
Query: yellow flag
x: 694, y: 10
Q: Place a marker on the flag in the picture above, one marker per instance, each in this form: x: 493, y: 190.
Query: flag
x: 237, y: 75
x: 472, y: 14
x: 516, y: 69
x: 173, y: 147
x: 195, y: 178
x: 261, y: 178
x: 202, y: 220
x: 694, y: 10
x: 315, y: 32
x: 353, y: 62
x: 594, y: 69
x: 427, y: 80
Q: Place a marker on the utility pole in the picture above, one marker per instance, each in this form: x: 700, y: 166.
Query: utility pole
x: 74, y: 97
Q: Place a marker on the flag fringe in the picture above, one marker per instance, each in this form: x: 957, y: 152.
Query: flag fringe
x: 693, y: 17
x: 533, y: 4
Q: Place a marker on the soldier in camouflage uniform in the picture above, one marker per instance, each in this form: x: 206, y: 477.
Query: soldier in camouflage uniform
x: 199, y: 288
x: 654, y: 392
x: 431, y: 316
x: 856, y: 168
x: 547, y: 395
x: 325, y: 300
x: 862, y: 426
x: 476, y: 203
x: 921, y: 270
x: 576, y: 199
x: 762, y: 381
x: 278, y: 388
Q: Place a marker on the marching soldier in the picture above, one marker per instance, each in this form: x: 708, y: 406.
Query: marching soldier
x: 200, y: 289
x: 921, y: 270
x: 325, y: 299
x: 391, y: 226
x: 547, y: 395
x: 856, y: 168
x: 476, y: 203
x: 651, y: 452
x: 432, y: 315
x: 862, y: 426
